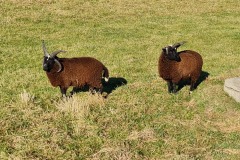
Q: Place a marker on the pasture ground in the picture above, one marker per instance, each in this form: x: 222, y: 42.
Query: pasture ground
x: 138, y: 120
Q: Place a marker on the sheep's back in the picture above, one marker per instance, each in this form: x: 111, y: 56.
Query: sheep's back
x: 80, y: 71
x: 191, y: 63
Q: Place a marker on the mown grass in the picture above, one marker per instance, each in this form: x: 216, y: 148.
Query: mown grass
x: 138, y: 120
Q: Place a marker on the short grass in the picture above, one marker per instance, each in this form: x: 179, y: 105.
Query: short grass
x: 138, y: 120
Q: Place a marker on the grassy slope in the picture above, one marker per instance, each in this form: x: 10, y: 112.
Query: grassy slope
x: 137, y: 120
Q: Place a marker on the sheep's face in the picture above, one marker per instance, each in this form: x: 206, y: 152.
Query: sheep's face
x: 171, y: 53
x: 50, y: 59
x: 48, y: 63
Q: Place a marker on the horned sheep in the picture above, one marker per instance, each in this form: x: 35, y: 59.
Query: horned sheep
x: 77, y: 72
x: 176, y: 66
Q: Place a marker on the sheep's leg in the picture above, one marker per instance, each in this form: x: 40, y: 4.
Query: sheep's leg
x: 192, y: 86
x: 91, y: 89
x: 97, y: 88
x: 63, y: 91
x: 170, y: 86
x: 174, y: 88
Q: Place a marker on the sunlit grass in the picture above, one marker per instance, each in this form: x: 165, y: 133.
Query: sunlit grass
x: 138, y: 120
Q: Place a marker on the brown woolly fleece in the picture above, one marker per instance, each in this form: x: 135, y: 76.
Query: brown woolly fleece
x: 78, y: 72
x: 189, y: 67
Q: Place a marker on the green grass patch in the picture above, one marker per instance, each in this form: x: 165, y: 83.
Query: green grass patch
x: 138, y: 120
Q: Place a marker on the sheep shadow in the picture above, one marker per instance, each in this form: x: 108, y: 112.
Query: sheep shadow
x: 108, y: 87
x: 113, y: 84
x: 203, y: 76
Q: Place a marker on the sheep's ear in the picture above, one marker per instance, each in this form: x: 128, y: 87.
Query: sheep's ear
x: 164, y: 49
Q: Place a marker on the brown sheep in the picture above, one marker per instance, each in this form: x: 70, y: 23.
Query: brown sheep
x: 175, y: 66
x: 77, y: 72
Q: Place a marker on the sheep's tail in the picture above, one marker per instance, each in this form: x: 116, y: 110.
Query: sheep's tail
x: 105, y: 74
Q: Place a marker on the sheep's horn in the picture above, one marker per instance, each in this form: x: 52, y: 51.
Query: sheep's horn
x: 45, y: 49
x: 176, y: 45
x: 59, y: 64
x: 56, y: 52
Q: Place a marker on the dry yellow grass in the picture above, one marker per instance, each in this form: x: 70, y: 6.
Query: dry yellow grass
x: 79, y: 108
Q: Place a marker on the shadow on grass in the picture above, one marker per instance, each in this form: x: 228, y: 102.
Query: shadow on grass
x: 204, y: 75
x: 113, y: 84
x: 108, y: 87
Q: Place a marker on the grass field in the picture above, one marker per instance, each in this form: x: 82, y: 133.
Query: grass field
x: 138, y: 119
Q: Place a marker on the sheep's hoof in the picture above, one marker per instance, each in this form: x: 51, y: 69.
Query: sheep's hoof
x: 64, y: 95
x: 104, y: 94
x: 173, y: 92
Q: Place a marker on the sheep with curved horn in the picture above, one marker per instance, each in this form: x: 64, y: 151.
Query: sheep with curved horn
x: 175, y: 66
x: 77, y: 72
x: 48, y: 56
